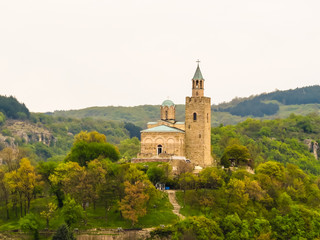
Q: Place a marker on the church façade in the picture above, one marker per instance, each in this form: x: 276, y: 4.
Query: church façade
x: 167, y: 140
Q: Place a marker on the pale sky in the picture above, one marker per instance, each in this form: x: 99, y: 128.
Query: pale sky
x: 72, y: 54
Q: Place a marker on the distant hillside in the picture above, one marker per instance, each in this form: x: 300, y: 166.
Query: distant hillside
x: 278, y: 104
x: 267, y: 104
x: 138, y: 115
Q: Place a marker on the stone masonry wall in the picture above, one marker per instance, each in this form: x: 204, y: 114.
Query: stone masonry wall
x: 198, y: 132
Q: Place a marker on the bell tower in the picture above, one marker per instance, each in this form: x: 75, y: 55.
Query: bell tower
x: 198, y: 123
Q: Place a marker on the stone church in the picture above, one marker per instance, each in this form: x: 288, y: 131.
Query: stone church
x: 167, y: 140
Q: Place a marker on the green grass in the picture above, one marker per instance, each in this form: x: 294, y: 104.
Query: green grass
x: 160, y: 212
x: 186, y: 210
x: 150, y: 164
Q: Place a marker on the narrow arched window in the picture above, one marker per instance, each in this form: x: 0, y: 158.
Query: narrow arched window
x: 159, y: 149
x: 166, y: 114
x: 194, y: 116
x: 197, y: 84
x: 201, y: 84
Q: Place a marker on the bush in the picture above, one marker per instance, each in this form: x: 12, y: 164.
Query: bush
x: 63, y: 233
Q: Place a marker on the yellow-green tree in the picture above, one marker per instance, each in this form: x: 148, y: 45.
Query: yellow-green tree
x: 48, y: 212
x: 82, y: 184
x: 22, y: 182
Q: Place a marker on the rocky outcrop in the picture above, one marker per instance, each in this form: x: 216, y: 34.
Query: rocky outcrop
x: 28, y: 132
x: 313, y: 147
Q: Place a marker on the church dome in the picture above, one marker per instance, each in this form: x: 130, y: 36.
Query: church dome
x: 167, y: 103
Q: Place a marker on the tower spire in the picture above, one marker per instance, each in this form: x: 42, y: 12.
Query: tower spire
x: 197, y: 82
x: 198, y: 74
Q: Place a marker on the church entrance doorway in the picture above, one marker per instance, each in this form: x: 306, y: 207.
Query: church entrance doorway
x: 159, y: 149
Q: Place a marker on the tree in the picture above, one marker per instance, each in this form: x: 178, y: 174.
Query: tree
x: 129, y: 148
x: 187, y: 181
x: 73, y: 179
x: 23, y: 182
x: 200, y: 228
x: 48, y: 213
x: 90, y: 146
x: 2, y: 118
x: 10, y: 158
x: 96, y: 179
x: 238, y: 153
x: 30, y: 223
x: 254, y: 190
x: 234, y: 228
x: 134, y: 204
x: 237, y: 196
x: 71, y: 211
x: 89, y: 137
x: 63, y: 233
x: 28, y: 179
x: 211, y: 177
x: 4, y: 191
x: 156, y: 175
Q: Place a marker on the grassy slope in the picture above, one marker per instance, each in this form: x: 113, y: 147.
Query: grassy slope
x: 156, y: 215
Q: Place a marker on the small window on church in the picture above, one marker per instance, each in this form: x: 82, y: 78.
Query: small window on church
x: 166, y: 114
x: 197, y: 84
x: 194, y: 116
x: 207, y: 117
x: 199, y: 135
x: 159, y: 149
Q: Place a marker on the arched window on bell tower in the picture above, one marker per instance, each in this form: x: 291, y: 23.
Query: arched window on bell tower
x: 194, y: 117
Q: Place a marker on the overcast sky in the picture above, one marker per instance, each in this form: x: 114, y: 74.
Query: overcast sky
x: 72, y: 54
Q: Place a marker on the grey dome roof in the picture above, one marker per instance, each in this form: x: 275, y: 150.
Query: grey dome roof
x: 167, y: 103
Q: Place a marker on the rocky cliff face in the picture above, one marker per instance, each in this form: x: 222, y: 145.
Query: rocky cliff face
x: 26, y: 131
x: 313, y: 146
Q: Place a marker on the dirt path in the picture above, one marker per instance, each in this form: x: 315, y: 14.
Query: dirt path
x: 175, y: 204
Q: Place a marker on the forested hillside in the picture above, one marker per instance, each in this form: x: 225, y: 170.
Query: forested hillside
x: 138, y: 115
x: 77, y: 171
x: 11, y: 108
x: 46, y: 137
x: 265, y: 106
x: 92, y: 187
x: 257, y: 106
